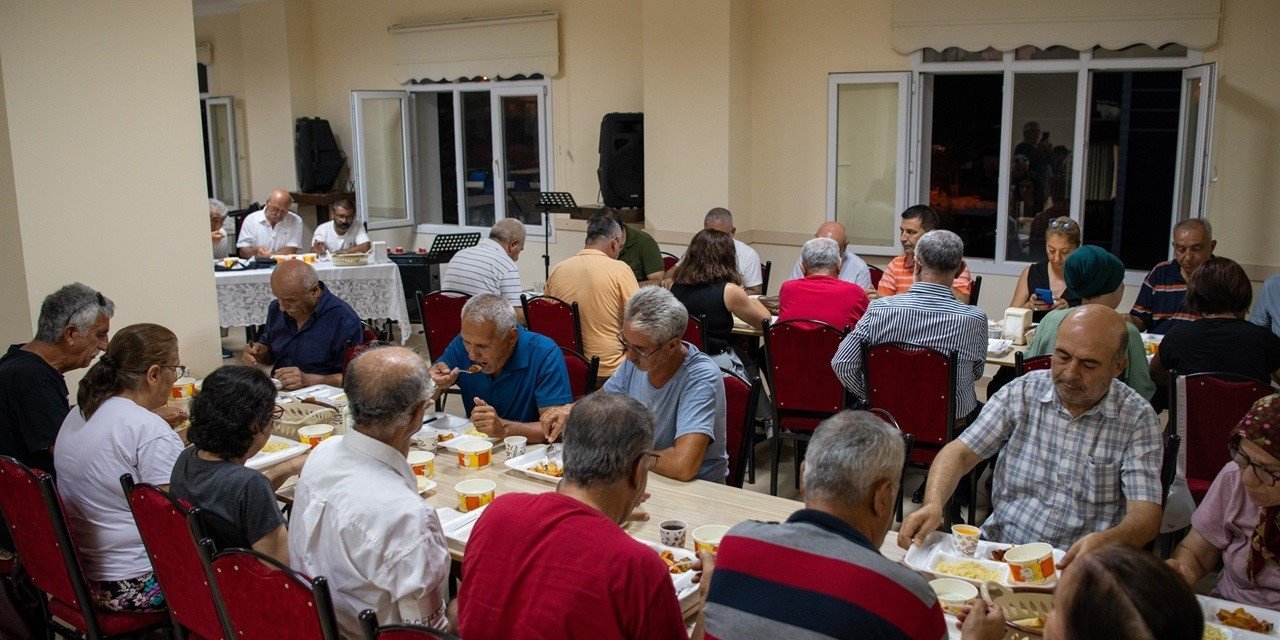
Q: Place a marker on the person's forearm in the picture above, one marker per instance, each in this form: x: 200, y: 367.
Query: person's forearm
x: 948, y: 467
x: 960, y: 295
x: 285, y: 251
x: 278, y: 474
x: 1196, y: 556
x: 333, y: 379
x: 1140, y: 525
x: 530, y: 430
x: 678, y: 465
x: 363, y: 247
x: 246, y: 252
x: 1137, y: 322
x: 751, y: 291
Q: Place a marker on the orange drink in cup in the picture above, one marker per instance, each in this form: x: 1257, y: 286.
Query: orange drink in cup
x: 964, y: 539
x: 707, y: 538
x: 183, y: 388
x: 473, y: 494
x: 475, y: 455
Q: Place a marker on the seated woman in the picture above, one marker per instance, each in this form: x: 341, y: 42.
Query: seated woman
x: 708, y: 284
x: 230, y: 422
x: 1114, y: 593
x: 1236, y: 523
x: 112, y: 432
x: 1061, y: 238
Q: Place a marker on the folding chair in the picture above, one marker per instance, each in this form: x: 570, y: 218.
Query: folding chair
x: 265, y: 600
x: 369, y: 624
x: 741, y: 399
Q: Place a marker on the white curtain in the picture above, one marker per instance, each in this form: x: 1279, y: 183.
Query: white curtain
x: 492, y: 47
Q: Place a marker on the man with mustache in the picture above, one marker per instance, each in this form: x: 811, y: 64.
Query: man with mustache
x: 1080, y: 451
x: 335, y: 236
x: 899, y: 274
x: 1162, y: 300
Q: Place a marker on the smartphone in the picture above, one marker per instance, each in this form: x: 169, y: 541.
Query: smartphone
x: 1045, y: 296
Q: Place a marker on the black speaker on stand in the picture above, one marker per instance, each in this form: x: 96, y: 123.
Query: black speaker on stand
x: 316, y: 155
x: 621, y: 170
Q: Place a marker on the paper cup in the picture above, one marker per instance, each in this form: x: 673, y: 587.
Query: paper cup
x: 515, y: 445
x: 426, y: 438
x: 707, y: 538
x: 423, y: 463
x: 183, y: 388
x: 671, y: 532
x: 312, y: 435
x: 309, y: 258
x: 953, y: 594
x: 1030, y: 563
x: 964, y: 539
x: 475, y: 455
x: 473, y: 494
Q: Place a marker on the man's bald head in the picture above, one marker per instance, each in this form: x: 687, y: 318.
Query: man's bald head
x: 1091, y: 350
x: 1098, y: 323
x: 277, y: 206
x: 835, y: 231
x: 387, y: 389
x: 296, y: 288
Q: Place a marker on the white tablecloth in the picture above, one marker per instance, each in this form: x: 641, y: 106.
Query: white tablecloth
x: 374, y: 291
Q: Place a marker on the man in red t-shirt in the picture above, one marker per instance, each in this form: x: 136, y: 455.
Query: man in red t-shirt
x: 558, y: 565
x: 821, y: 294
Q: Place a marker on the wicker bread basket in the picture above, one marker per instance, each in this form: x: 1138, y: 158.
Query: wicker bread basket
x: 1019, y: 605
x: 299, y: 413
x: 349, y: 259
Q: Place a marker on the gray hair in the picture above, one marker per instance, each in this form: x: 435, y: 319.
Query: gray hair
x: 602, y: 228
x: 656, y: 313
x: 1195, y: 222
x: 848, y: 454
x: 217, y: 205
x: 605, y: 434
x: 507, y: 230
x: 940, y: 250
x: 821, y: 254
x: 718, y: 215
x: 489, y: 307
x: 73, y: 305
x: 384, y: 385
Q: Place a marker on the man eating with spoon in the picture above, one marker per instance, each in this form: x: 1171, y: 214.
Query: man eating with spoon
x: 509, y: 376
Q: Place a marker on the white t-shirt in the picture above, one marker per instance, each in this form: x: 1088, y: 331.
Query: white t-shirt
x: 90, y: 457
x: 748, y: 264
x: 333, y: 242
x: 257, y: 232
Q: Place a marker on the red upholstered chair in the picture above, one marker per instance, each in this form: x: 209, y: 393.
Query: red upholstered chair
x: 171, y: 532
x: 764, y: 277
x: 266, y: 600
x: 555, y: 319
x: 441, y: 318
x: 1023, y: 364
x: 369, y: 624
x: 370, y: 339
x: 36, y: 520
x: 741, y: 398
x: 876, y: 274
x: 583, y: 374
x: 805, y: 389
x: 908, y: 443
x: 1203, y: 410
x: 669, y: 261
x: 696, y: 332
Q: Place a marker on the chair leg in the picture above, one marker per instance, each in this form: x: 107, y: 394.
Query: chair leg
x: 799, y: 455
x: 773, y: 466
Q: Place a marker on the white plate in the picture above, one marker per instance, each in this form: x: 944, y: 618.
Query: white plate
x: 532, y: 456
x: 937, y: 548
x: 263, y: 460
x: 686, y: 588
x: 1210, y: 607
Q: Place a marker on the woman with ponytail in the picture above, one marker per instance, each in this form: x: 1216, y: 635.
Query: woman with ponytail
x: 113, y: 431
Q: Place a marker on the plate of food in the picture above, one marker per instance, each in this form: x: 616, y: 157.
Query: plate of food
x: 278, y: 449
x: 987, y: 564
x: 537, y: 465
x: 1239, y: 621
x: 680, y: 565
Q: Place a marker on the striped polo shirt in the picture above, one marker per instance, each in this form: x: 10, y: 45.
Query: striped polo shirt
x: 484, y: 268
x: 815, y: 576
x: 1161, y: 302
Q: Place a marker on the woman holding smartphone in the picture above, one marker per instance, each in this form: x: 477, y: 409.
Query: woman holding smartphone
x: 1042, y: 287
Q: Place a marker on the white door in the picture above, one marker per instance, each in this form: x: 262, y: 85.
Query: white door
x: 519, y: 150
x: 220, y: 132
x: 1195, y: 141
x: 380, y: 133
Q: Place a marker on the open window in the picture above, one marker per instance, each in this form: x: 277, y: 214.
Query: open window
x: 220, y: 150
x: 380, y: 136
x: 1195, y: 141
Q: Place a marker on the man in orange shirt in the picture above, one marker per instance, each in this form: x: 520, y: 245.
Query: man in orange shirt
x: 900, y: 274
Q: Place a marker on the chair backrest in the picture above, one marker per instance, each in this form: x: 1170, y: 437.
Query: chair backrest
x: 369, y: 625
x: 266, y: 600
x: 764, y: 277
x: 741, y: 398
x: 797, y: 353
x: 441, y: 318
x: 876, y: 274
x: 1023, y: 365
x: 171, y: 533
x: 917, y: 385
x: 975, y: 288
x: 695, y: 333
x: 583, y: 373
x: 555, y: 319
x: 669, y: 261
x: 1204, y: 409
x: 1168, y: 467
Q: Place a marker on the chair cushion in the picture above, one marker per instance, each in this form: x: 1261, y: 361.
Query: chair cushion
x: 111, y: 622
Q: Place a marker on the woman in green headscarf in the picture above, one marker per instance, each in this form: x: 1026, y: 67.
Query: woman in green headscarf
x: 1098, y: 278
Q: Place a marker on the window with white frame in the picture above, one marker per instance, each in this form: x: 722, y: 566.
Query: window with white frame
x: 448, y: 157
x: 1002, y: 142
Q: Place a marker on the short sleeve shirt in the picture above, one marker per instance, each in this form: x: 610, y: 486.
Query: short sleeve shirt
x: 1162, y: 299
x: 748, y: 264
x: 237, y: 504
x: 1226, y: 518
x: 898, y: 278
x: 853, y: 269
x: 33, y: 404
x: 333, y: 242
x: 535, y: 377
x: 641, y: 253
x: 1229, y: 345
x: 1266, y: 313
x: 484, y: 268
x: 823, y: 298
x: 601, y: 287
x: 256, y: 232
x: 316, y: 347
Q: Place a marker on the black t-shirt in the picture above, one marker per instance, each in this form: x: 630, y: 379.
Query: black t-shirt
x: 237, y: 503
x: 1228, y: 345
x: 33, y: 404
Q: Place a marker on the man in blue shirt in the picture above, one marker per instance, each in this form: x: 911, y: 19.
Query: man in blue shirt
x: 308, y: 330
x: 510, y: 376
x: 1267, y: 312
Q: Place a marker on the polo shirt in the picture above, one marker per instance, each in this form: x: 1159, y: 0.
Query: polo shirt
x: 815, y: 576
x: 898, y: 278
x: 853, y: 269
x: 484, y: 268
x: 601, y: 286
x: 318, y: 345
x: 258, y: 232
x: 1162, y: 299
x: 641, y: 253
x: 823, y: 298
x: 1267, y: 312
x: 533, y: 378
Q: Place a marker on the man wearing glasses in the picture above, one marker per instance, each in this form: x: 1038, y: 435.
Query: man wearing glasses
x: 273, y: 230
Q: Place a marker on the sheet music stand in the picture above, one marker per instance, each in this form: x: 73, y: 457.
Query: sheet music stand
x: 547, y: 202
x: 446, y: 244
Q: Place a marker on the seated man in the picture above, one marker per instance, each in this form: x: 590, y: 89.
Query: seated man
x: 601, y: 285
x: 526, y: 573
x: 813, y: 575
x: 218, y: 230
x: 1080, y: 451
x: 927, y: 315
x: 853, y: 269
x: 900, y: 273
x: 639, y: 251
x: 1267, y: 312
x: 749, y: 268
x: 357, y: 517
x: 821, y: 294
x: 308, y: 330
x: 335, y: 236
x: 1162, y: 300
x: 518, y: 375
x: 272, y: 230
x: 490, y: 266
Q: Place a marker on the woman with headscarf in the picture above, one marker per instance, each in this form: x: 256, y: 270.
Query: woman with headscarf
x: 1098, y: 278
x: 1238, y: 523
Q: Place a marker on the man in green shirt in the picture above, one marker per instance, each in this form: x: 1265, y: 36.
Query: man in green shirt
x: 640, y: 251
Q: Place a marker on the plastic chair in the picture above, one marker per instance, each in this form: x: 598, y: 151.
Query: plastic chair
x: 805, y: 389
x: 908, y: 443
x: 974, y: 289
x: 266, y: 600
x: 1204, y: 408
x: 170, y: 531
x: 584, y: 374
x: 35, y: 517
x: 669, y: 261
x: 1023, y: 365
x: 369, y: 625
x: 555, y: 319
x: 741, y: 399
x: 876, y: 274
x: 764, y: 277
x: 441, y: 318
x: 696, y: 332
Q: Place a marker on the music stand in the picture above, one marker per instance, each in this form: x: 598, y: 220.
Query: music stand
x: 547, y: 202
x: 446, y: 244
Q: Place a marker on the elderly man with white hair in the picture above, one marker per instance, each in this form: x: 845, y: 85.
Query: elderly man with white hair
x: 510, y: 377
x: 218, y: 230
x: 821, y: 294
x: 853, y: 269
x: 829, y: 551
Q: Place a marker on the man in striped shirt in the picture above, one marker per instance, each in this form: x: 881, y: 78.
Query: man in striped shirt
x: 899, y: 274
x: 820, y: 574
x: 490, y: 266
x: 1162, y: 299
x: 927, y: 315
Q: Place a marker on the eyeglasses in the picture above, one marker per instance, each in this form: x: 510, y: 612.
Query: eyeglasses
x: 1062, y: 224
x: 1244, y: 462
x: 179, y: 369
x: 277, y: 413
x: 626, y: 346
x: 650, y: 459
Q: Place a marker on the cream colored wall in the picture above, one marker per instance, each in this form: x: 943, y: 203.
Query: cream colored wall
x: 15, y: 318
x: 226, y: 78
x: 110, y: 187
x: 267, y: 96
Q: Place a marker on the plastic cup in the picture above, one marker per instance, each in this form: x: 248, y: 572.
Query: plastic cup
x: 473, y: 494
x: 1030, y: 563
x: 312, y: 435
x: 672, y: 532
x: 423, y: 463
x: 964, y: 539
x: 475, y: 455
x: 707, y: 538
x: 953, y: 594
x: 183, y: 388
x: 515, y: 445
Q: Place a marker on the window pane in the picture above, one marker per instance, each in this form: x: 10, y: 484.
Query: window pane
x: 522, y: 152
x: 477, y: 157
x: 1129, y: 169
x: 1141, y: 51
x: 1052, y: 53
x: 964, y: 158
x: 383, y: 152
x: 1188, y: 150
x: 867, y: 161
x: 1044, y: 122
x: 956, y: 54
x: 223, y: 163
x: 437, y: 178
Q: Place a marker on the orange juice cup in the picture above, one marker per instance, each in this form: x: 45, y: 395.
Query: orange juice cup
x: 312, y: 435
x: 183, y: 388
x: 964, y: 539
x: 1030, y: 563
x: 707, y: 538
x: 423, y: 463
x: 475, y: 455
x: 473, y: 494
